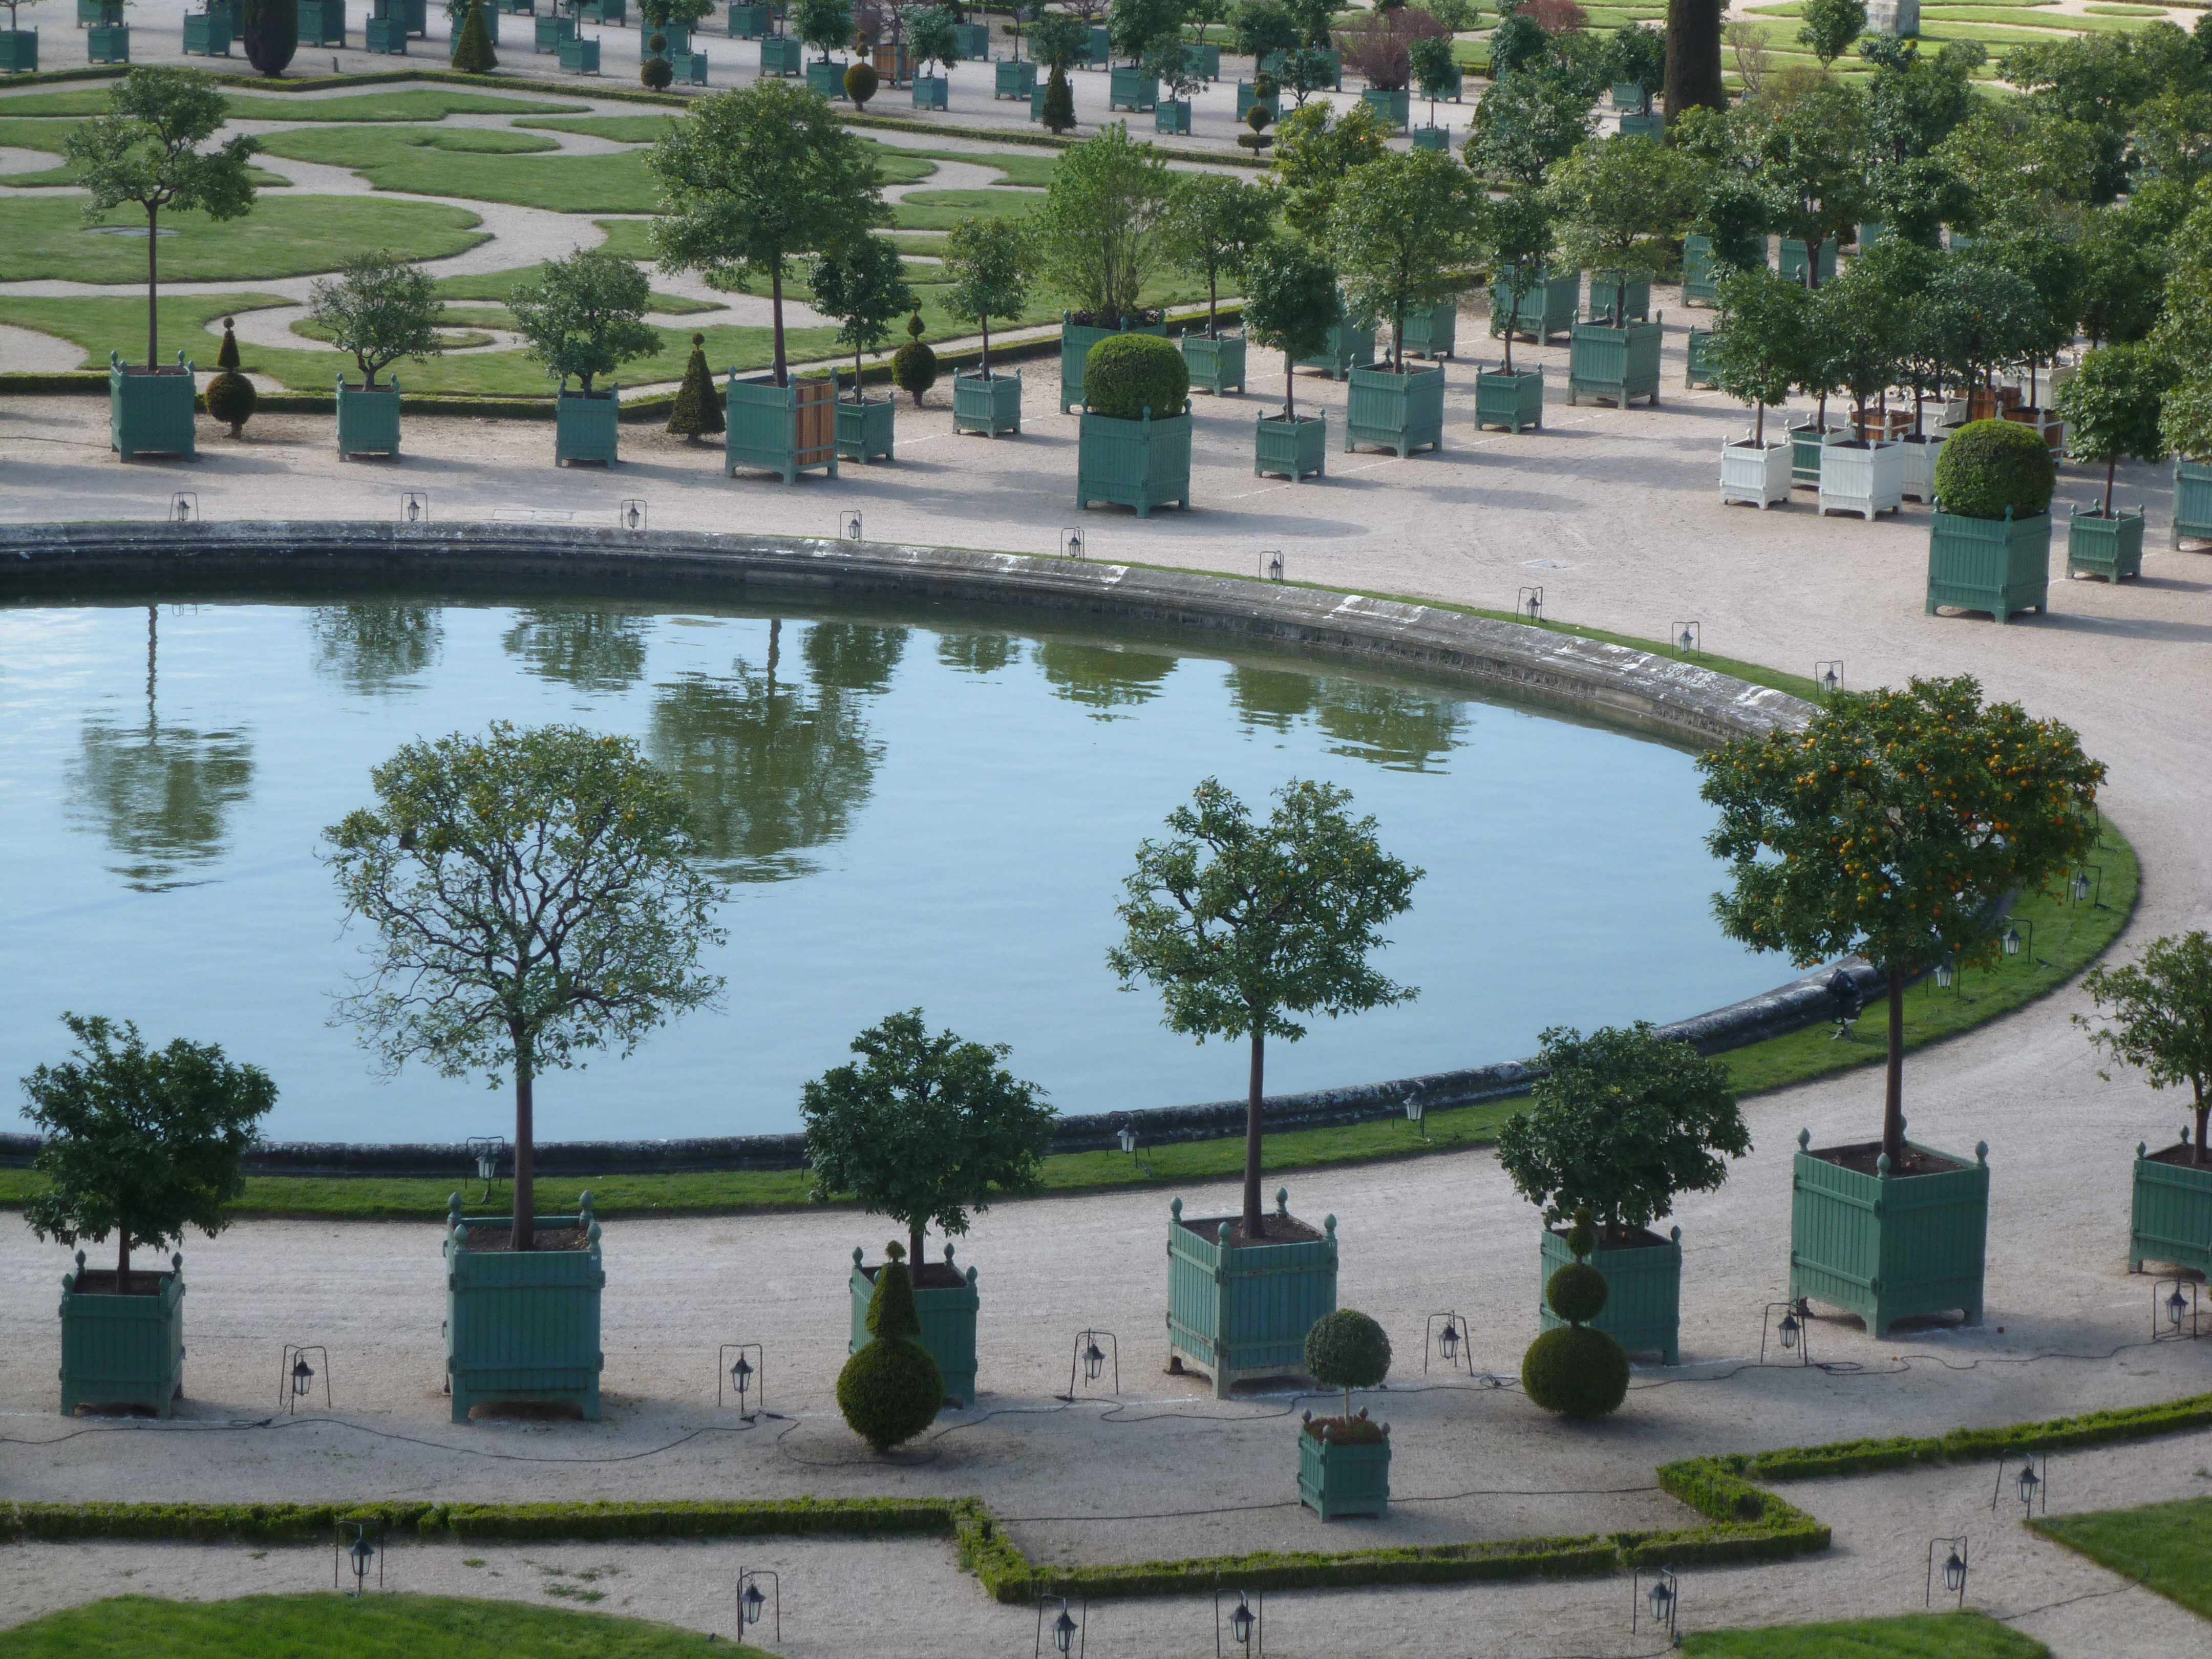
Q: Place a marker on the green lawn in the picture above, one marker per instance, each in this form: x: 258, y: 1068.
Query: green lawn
x: 52, y: 138
x: 479, y: 164
x: 941, y: 210
x: 2162, y: 1544
x: 425, y: 104
x: 498, y: 284
x: 370, y: 1627
x: 1917, y: 1635
x: 283, y: 236
x: 1033, y: 171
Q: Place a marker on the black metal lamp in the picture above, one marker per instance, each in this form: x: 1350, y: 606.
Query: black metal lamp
x: 634, y: 514
x: 2031, y: 1485
x: 1448, y: 1343
x: 295, y: 1378
x: 1094, y: 1361
x: 352, y: 1547
x: 1792, y: 1330
x: 1945, y: 973
x: 1662, y: 1598
x: 1530, y: 602
x: 1248, y: 1625
x: 752, y: 1603
x: 742, y: 1376
x: 1069, y: 1634
x: 1830, y: 674
x: 1127, y: 1136
x: 1954, y: 1568
x: 1094, y: 1349
x: 1071, y: 543
x: 303, y: 1376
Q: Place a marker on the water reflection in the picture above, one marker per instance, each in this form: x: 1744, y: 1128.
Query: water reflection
x: 1272, y: 697
x: 854, y: 656
x: 1103, y: 677
x: 373, y: 647
x: 162, y: 795
x: 1406, y: 730
x: 770, y: 769
x: 599, y: 650
x: 977, y: 654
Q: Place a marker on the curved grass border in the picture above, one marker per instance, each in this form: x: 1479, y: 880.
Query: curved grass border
x: 2066, y: 938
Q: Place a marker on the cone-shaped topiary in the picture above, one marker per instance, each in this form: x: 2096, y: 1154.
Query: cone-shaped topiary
x: 1990, y: 465
x: 698, y: 410
x: 913, y: 365
x: 227, y: 357
x: 860, y: 83
x: 472, y: 53
x: 1347, y: 1350
x: 270, y: 30
x: 891, y: 1391
x: 231, y: 397
x: 1126, y: 375
x: 1576, y: 1371
x: 1058, y: 111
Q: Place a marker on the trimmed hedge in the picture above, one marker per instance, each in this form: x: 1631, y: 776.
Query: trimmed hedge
x: 1962, y: 1445
x: 1588, y: 1556
x: 1990, y: 467
x: 1126, y: 376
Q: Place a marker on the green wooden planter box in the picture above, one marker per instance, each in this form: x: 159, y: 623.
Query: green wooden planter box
x: 149, y: 411
x: 1997, y: 565
x: 1172, y: 115
x: 1626, y: 95
x: 1888, y: 1247
x: 386, y: 36
x: 688, y: 69
x: 1036, y: 101
x: 1245, y: 98
x: 107, y: 43
x: 1653, y: 125
x: 828, y: 79
x: 2170, y: 1218
x: 1696, y: 365
x: 1100, y: 50
x: 368, y: 421
x: 1603, y: 288
x: 522, y: 1326
x: 675, y: 38
x: 948, y: 1325
x: 1643, y: 1293
x: 990, y: 407
x: 122, y: 1350
x: 1339, y: 1479
x: 89, y: 12
x: 19, y: 51
x: 787, y: 429
x: 1620, y: 363
x: 2098, y: 546
x: 580, y: 56
x: 1870, y: 232
x: 1805, y: 443
x: 1075, y: 340
x: 1515, y: 401
x: 1548, y: 305
x: 748, y: 22
x: 1791, y: 260
x: 208, y: 34
x: 418, y: 18
x: 587, y: 426
x: 1433, y: 332
x: 1144, y: 463
x: 1333, y: 77
x: 1399, y: 411
x: 553, y: 32
x: 782, y: 55
x: 1436, y: 138
x: 1204, y: 62
x: 1129, y: 88
x: 932, y: 92
x: 322, y: 23
x: 1295, y: 450
x: 972, y: 41
x: 1701, y: 283
x: 1242, y: 1313
x: 602, y: 11
x: 1395, y: 108
x: 1350, y: 345
x: 2192, y: 501
x: 864, y: 430
x: 1014, y: 80
x: 1216, y: 362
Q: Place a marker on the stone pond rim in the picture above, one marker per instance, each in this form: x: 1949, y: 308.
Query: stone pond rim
x: 1619, y: 684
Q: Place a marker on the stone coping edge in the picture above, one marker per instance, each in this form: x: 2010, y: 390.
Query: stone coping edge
x: 1617, y: 684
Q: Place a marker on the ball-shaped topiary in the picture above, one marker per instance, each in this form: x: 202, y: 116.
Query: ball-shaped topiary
x: 913, y: 365
x: 1577, y: 1292
x: 1576, y: 1370
x: 1347, y: 1349
x: 860, y: 83
x: 1990, y: 465
x: 657, y: 73
x: 1126, y: 375
x: 889, y: 1391
x: 231, y: 399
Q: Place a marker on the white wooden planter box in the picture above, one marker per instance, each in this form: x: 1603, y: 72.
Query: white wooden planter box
x: 1920, y: 466
x: 1865, y: 478
x: 1751, y: 473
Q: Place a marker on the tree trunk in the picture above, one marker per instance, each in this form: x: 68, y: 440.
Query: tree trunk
x: 776, y: 304
x: 1693, y: 57
x: 123, y: 1256
x: 1212, y: 300
x: 913, y: 1237
x: 1289, y: 388
x: 1892, y: 1105
x: 2204, y: 1111
x: 152, y: 287
x: 984, y: 363
x: 1253, y: 1219
x: 525, y: 1155
x: 1512, y: 315
x: 2112, y: 466
x: 1758, y: 425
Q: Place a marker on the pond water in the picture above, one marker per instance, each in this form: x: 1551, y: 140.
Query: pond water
x: 934, y: 811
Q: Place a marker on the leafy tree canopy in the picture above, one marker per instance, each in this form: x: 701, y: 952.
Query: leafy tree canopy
x: 2111, y: 407
x: 1405, y: 236
x: 1291, y: 300
x: 991, y: 262
x: 2161, y: 1014
x: 584, y: 315
x: 1211, y: 223
x: 1099, y: 229
x: 863, y: 285
x: 382, y: 309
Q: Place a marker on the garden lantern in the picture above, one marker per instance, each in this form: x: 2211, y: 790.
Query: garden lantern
x: 1954, y: 1569
x: 1068, y: 1634
x: 414, y: 507
x: 1530, y: 602
x: 303, y: 1375
x: 1271, y: 565
x: 753, y: 1600
x: 1689, y: 637
x: 848, y: 527
x: 1830, y: 674
x: 2177, y: 1308
x: 362, y: 1554
x: 1071, y: 543
x: 1094, y: 1361
x: 1248, y: 1625
x: 2011, y: 941
x: 357, y: 1554
x: 1954, y: 1573
x: 1063, y: 1631
x: 1664, y: 1599
x: 741, y: 1375
x: 1448, y: 1341
x: 1944, y: 975
x: 2081, y: 887
x: 751, y: 1603
x: 184, y: 507
x: 295, y: 1378
x: 1417, y: 1112
x: 1127, y: 1136
x: 634, y: 514
x: 2029, y: 1481
x: 1790, y: 1330
x: 1093, y: 1349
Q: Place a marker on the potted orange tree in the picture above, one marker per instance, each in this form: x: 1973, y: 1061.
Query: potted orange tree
x: 1212, y: 225
x: 1292, y: 301
x: 2112, y: 407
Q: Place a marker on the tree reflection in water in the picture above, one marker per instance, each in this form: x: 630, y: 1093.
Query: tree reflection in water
x: 376, y: 647
x: 1103, y: 677
x: 978, y: 654
x: 1404, y: 730
x: 593, y: 649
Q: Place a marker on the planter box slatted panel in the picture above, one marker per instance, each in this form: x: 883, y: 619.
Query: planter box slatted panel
x: 1433, y: 332
x: 2192, y: 501
x: 1131, y: 88
x: 1100, y: 49
x: 1889, y: 1247
x: 1866, y: 478
x: 782, y: 55
x: 828, y: 79
x: 1697, y: 365
x: 580, y: 57
x: 1514, y: 401
x: 1759, y: 475
x: 19, y: 51
x: 123, y: 1350
x: 1605, y: 286
x: 1172, y: 115
x: 1653, y: 125
x: 2110, y: 548
x: 1216, y: 362
x: 688, y: 69
x: 1792, y: 260
x: 2170, y: 1218
x: 787, y: 429
x: 948, y: 1326
x: 1204, y: 62
x: 552, y: 33
x: 1805, y: 442
x: 1242, y: 1312
x: 1013, y: 79
x: 1437, y: 138
x: 748, y: 22
x: 1920, y: 455
x: 523, y: 1326
x: 386, y: 36
x: 1143, y: 464
x: 1627, y: 95
x: 107, y: 43
x: 208, y: 34
x: 1290, y: 449
x: 990, y: 407
x: 587, y: 426
x: 1402, y: 412
x: 322, y: 23
x: 932, y: 92
x: 1350, y: 346
x: 1619, y: 363
x: 1642, y: 1308
x: 1075, y: 340
x: 368, y: 420
x: 864, y: 430
x: 1997, y: 565
x: 1700, y: 280
x: 972, y: 41
x: 149, y: 411
x: 1344, y: 1478
x: 1393, y: 109
x: 1549, y: 305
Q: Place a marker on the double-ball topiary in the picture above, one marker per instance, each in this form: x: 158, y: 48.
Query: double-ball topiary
x: 1573, y: 1369
x: 1989, y: 466
x: 913, y: 365
x: 860, y: 83
x: 230, y: 396
x: 891, y: 1391
x: 1127, y: 375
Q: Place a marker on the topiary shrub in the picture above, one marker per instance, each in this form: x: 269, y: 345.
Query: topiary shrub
x: 1347, y: 1350
x: 227, y: 357
x: 1576, y: 1371
x: 1577, y: 1292
x: 698, y: 410
x: 1058, y: 113
x: 913, y: 365
x: 860, y: 83
x: 891, y: 1391
x: 270, y: 30
x: 1129, y: 373
x: 1989, y: 466
x: 657, y: 73
x: 231, y: 397
x: 472, y: 53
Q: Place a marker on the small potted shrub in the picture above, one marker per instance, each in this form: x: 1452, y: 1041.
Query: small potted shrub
x: 862, y: 283
x: 1755, y: 358
x: 991, y: 262
x: 2112, y: 406
x: 1292, y: 301
x: 1619, y: 202
x: 381, y: 309
x: 1132, y: 449
x: 913, y: 365
x: 1619, y: 1126
x: 889, y: 1389
x: 1344, y: 1462
x: 1169, y: 65
x: 2161, y: 1013
x: 1574, y: 1368
x: 230, y: 396
x: 1212, y: 225
x: 1519, y: 231
x: 1989, y: 547
x: 585, y: 317
x: 929, y: 40
x: 143, y: 1144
